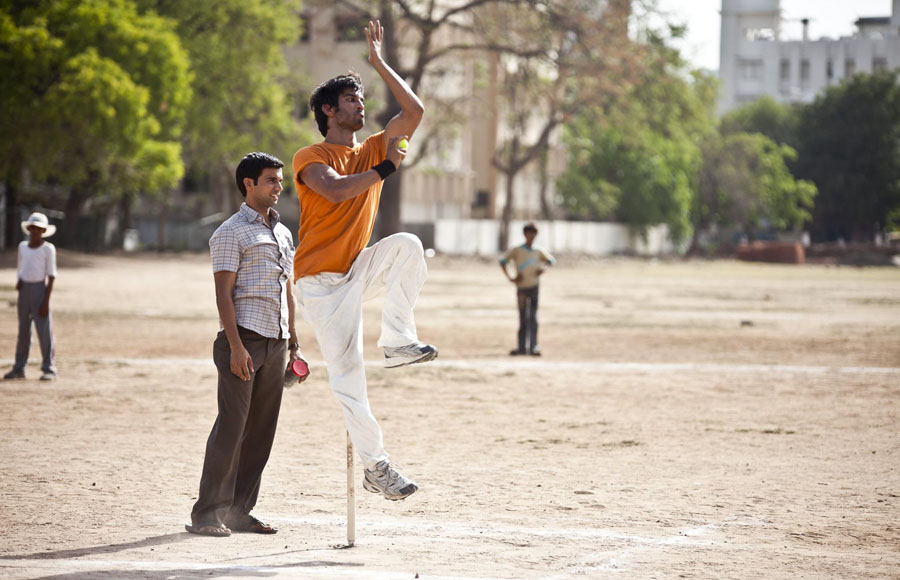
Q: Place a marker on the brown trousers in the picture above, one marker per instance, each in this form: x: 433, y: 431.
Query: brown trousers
x: 238, y: 446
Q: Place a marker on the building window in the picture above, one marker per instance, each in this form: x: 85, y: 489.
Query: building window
x: 784, y: 72
x: 751, y: 70
x: 829, y: 69
x: 760, y: 34
x: 350, y: 28
x: 879, y: 64
x: 482, y: 199
x: 849, y: 67
x: 784, y: 76
x: 804, y: 73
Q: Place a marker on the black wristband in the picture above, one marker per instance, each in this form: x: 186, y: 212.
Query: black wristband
x: 385, y: 168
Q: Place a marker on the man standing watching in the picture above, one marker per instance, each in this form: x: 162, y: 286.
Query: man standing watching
x: 530, y: 263
x: 252, y: 258
x: 36, y: 272
x: 339, y: 186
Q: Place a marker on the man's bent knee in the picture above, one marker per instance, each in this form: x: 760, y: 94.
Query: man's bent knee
x: 406, y: 243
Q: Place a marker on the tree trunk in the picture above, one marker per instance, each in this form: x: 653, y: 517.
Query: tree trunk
x: 544, y: 172
x: 695, y: 244
x: 78, y: 196
x: 161, y: 220
x: 506, y: 216
x: 11, y: 235
x: 389, y: 207
x: 124, y: 221
x: 13, y: 181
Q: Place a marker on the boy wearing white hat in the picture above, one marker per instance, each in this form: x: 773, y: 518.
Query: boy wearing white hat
x: 36, y: 272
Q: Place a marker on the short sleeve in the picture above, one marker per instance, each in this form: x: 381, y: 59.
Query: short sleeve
x: 505, y: 258
x: 51, y: 260
x: 225, y: 250
x: 21, y: 261
x: 547, y: 257
x: 304, y: 158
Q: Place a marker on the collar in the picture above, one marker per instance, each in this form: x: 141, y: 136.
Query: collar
x: 253, y: 216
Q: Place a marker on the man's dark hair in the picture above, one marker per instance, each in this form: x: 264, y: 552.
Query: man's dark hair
x: 329, y: 92
x: 529, y: 227
x: 252, y: 166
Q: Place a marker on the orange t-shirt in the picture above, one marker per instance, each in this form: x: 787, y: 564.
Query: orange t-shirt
x: 331, y: 235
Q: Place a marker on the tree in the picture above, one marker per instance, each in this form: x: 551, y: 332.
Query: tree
x: 243, y: 91
x: 108, y: 84
x: 849, y: 145
x: 744, y: 181
x: 636, y: 159
x: 766, y: 116
x: 27, y: 57
x: 637, y: 177
x: 568, y: 57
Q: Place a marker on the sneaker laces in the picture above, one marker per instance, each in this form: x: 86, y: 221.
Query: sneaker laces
x: 391, y: 472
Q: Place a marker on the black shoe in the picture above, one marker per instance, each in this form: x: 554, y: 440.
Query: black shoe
x: 517, y: 352
x: 14, y: 374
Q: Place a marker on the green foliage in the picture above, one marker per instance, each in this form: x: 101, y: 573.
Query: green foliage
x: 141, y: 44
x: 766, y: 116
x: 28, y: 54
x: 90, y: 85
x: 242, y: 87
x: 113, y: 96
x: 636, y: 161
x: 849, y: 145
x: 632, y: 175
x: 98, y: 103
x: 745, y: 180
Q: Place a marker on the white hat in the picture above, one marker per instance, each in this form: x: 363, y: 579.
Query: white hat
x: 40, y: 220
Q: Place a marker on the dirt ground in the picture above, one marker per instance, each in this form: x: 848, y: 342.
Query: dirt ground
x: 687, y: 420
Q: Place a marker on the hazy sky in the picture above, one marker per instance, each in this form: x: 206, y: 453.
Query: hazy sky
x: 830, y: 18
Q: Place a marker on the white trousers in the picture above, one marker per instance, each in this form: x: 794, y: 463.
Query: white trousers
x: 332, y: 304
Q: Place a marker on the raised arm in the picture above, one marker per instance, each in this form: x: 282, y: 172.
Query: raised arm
x: 411, y: 108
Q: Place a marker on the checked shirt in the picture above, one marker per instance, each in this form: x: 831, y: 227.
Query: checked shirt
x: 263, y: 260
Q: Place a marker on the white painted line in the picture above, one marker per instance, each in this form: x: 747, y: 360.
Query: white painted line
x: 681, y: 537
x: 531, y: 364
x: 319, y: 564
x: 630, y: 367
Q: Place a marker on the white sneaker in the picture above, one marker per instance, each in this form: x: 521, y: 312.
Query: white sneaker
x: 416, y: 352
x: 48, y: 376
x: 386, y: 480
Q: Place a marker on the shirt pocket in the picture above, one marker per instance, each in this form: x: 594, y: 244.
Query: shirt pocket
x: 259, y: 251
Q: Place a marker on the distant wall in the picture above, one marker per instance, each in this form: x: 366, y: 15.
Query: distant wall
x: 480, y: 237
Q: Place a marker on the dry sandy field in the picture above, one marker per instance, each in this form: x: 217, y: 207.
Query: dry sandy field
x: 687, y: 420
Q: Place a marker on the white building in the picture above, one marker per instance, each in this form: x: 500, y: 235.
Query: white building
x: 755, y: 61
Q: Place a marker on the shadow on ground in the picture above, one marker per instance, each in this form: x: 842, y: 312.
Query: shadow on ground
x: 211, y: 572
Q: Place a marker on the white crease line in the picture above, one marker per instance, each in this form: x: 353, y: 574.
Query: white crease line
x: 662, y: 367
x: 320, y: 567
x: 682, y: 537
x: 594, y: 366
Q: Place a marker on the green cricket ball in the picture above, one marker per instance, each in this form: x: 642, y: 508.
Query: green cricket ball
x: 403, y: 144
